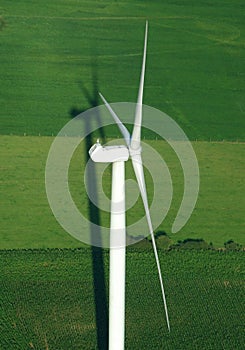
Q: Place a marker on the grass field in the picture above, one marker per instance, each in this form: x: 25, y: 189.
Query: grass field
x: 48, y: 303
x: 27, y: 220
x: 54, y: 59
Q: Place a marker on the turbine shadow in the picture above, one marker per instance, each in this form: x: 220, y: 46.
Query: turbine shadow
x: 97, y: 253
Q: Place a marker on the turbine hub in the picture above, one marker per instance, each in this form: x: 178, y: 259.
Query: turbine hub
x: 133, y: 152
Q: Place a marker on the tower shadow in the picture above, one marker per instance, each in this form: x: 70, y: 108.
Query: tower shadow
x: 100, y: 295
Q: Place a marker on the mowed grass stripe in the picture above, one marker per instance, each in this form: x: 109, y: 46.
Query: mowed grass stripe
x: 27, y: 221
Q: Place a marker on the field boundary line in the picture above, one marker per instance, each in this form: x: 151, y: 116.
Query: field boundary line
x: 147, y: 139
x: 101, y: 17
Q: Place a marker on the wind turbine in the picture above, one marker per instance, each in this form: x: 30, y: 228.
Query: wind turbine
x: 118, y: 155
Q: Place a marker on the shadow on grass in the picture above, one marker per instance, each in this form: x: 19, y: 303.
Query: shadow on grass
x: 100, y: 295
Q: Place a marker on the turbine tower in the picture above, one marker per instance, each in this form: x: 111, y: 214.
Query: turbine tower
x: 118, y: 155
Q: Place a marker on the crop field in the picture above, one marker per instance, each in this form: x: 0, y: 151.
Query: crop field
x: 49, y: 300
x: 55, y: 57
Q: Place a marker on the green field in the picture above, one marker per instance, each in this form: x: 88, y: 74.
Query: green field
x: 27, y: 220
x: 49, y: 304
x: 54, y: 59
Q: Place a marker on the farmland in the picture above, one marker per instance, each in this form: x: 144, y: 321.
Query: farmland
x: 48, y: 300
x: 27, y: 221
x: 55, y: 57
x: 54, y: 60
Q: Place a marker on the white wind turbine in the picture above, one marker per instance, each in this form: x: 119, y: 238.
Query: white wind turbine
x: 118, y: 155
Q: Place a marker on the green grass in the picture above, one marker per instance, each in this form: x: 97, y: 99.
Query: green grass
x: 54, y: 59
x: 27, y: 220
x: 195, y: 70
x: 47, y: 300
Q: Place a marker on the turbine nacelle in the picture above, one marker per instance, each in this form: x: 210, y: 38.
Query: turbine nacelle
x: 108, y: 154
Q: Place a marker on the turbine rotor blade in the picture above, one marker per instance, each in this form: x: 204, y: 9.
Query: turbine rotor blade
x: 136, y: 135
x: 138, y: 169
x: 122, y: 127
